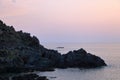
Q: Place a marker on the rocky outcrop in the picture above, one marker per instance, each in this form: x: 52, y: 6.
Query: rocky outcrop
x: 19, y: 51
x: 80, y: 58
x: 52, y: 55
x: 77, y: 58
x: 29, y: 77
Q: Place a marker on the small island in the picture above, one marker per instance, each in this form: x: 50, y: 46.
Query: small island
x: 21, y: 52
x: 60, y: 47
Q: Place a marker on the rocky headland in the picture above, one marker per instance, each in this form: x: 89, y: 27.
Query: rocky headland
x: 21, y: 52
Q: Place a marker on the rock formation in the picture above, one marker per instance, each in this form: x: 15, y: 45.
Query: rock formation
x: 20, y: 51
x: 29, y: 76
x: 80, y: 58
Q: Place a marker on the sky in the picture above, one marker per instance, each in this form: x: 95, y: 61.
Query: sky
x: 84, y: 21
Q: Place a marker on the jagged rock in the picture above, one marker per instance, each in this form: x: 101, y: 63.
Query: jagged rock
x: 80, y: 58
x: 19, y: 50
x: 53, y: 56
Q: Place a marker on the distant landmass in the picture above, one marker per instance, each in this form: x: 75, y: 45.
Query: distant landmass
x: 60, y: 47
x: 21, y: 52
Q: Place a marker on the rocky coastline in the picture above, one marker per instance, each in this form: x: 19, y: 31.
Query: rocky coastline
x: 30, y: 76
x: 21, y: 52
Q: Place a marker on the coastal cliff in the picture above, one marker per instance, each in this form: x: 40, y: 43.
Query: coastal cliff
x: 19, y: 52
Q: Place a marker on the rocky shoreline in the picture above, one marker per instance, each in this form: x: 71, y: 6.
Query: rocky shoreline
x: 30, y: 76
x: 21, y: 52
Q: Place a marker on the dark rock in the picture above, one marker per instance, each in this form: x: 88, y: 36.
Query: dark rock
x: 25, y: 77
x: 53, y: 56
x: 42, y: 78
x: 19, y: 49
x: 80, y: 58
x: 29, y: 77
x: 21, y: 52
x: 4, y: 78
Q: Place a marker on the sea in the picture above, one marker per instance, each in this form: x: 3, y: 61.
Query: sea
x: 108, y: 51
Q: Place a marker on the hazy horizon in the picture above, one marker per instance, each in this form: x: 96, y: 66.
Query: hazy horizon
x: 61, y: 21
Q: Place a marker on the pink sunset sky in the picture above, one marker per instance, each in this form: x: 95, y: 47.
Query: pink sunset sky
x: 65, y: 20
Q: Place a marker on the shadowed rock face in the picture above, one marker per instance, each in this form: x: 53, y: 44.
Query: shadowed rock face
x: 21, y: 50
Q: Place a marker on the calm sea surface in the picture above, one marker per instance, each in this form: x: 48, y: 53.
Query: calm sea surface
x: 109, y: 52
